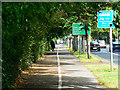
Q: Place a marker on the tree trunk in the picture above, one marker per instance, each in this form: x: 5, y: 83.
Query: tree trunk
x: 83, y: 44
x: 88, y: 52
x: 74, y: 43
x: 97, y: 36
x: 41, y: 51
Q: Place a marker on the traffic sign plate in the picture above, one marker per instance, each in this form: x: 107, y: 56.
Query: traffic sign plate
x: 77, y: 29
x: 105, y: 24
x: 105, y: 18
x: 105, y: 15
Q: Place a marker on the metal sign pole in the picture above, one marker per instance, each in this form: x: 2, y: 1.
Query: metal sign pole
x: 80, y: 45
x: 78, y: 42
x: 89, y: 43
x: 71, y: 43
x: 111, y: 48
x: 68, y: 41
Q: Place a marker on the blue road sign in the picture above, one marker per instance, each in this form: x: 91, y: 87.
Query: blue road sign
x: 105, y: 24
x: 105, y: 18
x: 105, y: 15
x: 114, y: 12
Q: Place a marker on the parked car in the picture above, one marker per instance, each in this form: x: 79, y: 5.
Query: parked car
x: 102, y: 43
x: 94, y: 46
x: 116, y: 46
x: 61, y: 41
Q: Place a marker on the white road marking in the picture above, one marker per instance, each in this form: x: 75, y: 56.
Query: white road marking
x: 59, y: 71
x: 115, y: 54
x: 104, y: 51
x: 109, y: 52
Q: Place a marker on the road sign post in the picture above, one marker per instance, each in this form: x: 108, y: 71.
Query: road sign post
x: 78, y: 42
x: 79, y: 45
x: 71, y: 43
x: 111, y: 48
x: 105, y: 19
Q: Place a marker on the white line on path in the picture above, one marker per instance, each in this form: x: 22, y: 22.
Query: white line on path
x: 59, y: 71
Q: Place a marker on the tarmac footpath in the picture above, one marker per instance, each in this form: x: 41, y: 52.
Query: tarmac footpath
x: 60, y: 70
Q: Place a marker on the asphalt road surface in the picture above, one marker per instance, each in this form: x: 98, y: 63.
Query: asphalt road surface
x: 105, y: 54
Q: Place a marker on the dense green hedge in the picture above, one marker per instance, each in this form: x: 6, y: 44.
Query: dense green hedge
x: 26, y: 35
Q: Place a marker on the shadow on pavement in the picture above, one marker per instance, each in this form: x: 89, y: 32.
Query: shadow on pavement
x: 52, y: 53
x: 79, y: 83
x: 60, y: 53
x: 50, y: 82
x: 65, y: 53
x: 67, y: 58
x: 41, y: 81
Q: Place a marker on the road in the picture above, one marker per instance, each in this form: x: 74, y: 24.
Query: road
x: 104, y: 53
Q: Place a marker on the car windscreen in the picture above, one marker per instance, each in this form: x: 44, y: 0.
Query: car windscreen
x: 101, y: 41
x: 94, y: 42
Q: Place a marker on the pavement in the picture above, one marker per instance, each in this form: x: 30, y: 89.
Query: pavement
x: 60, y: 70
x: 74, y: 75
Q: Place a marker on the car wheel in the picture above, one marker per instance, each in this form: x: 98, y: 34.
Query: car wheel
x: 109, y: 49
x: 98, y: 49
x: 113, y: 50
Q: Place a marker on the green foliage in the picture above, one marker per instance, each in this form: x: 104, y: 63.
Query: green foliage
x: 27, y: 32
x: 87, y: 13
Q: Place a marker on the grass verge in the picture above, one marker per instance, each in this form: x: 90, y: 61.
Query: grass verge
x: 105, y: 76
x: 84, y: 59
x: 101, y: 71
x: 70, y: 49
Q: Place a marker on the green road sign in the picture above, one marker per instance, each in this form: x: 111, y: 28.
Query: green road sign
x: 77, y: 29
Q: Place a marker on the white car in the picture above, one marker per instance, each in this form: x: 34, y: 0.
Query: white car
x: 102, y: 43
x: 61, y: 41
